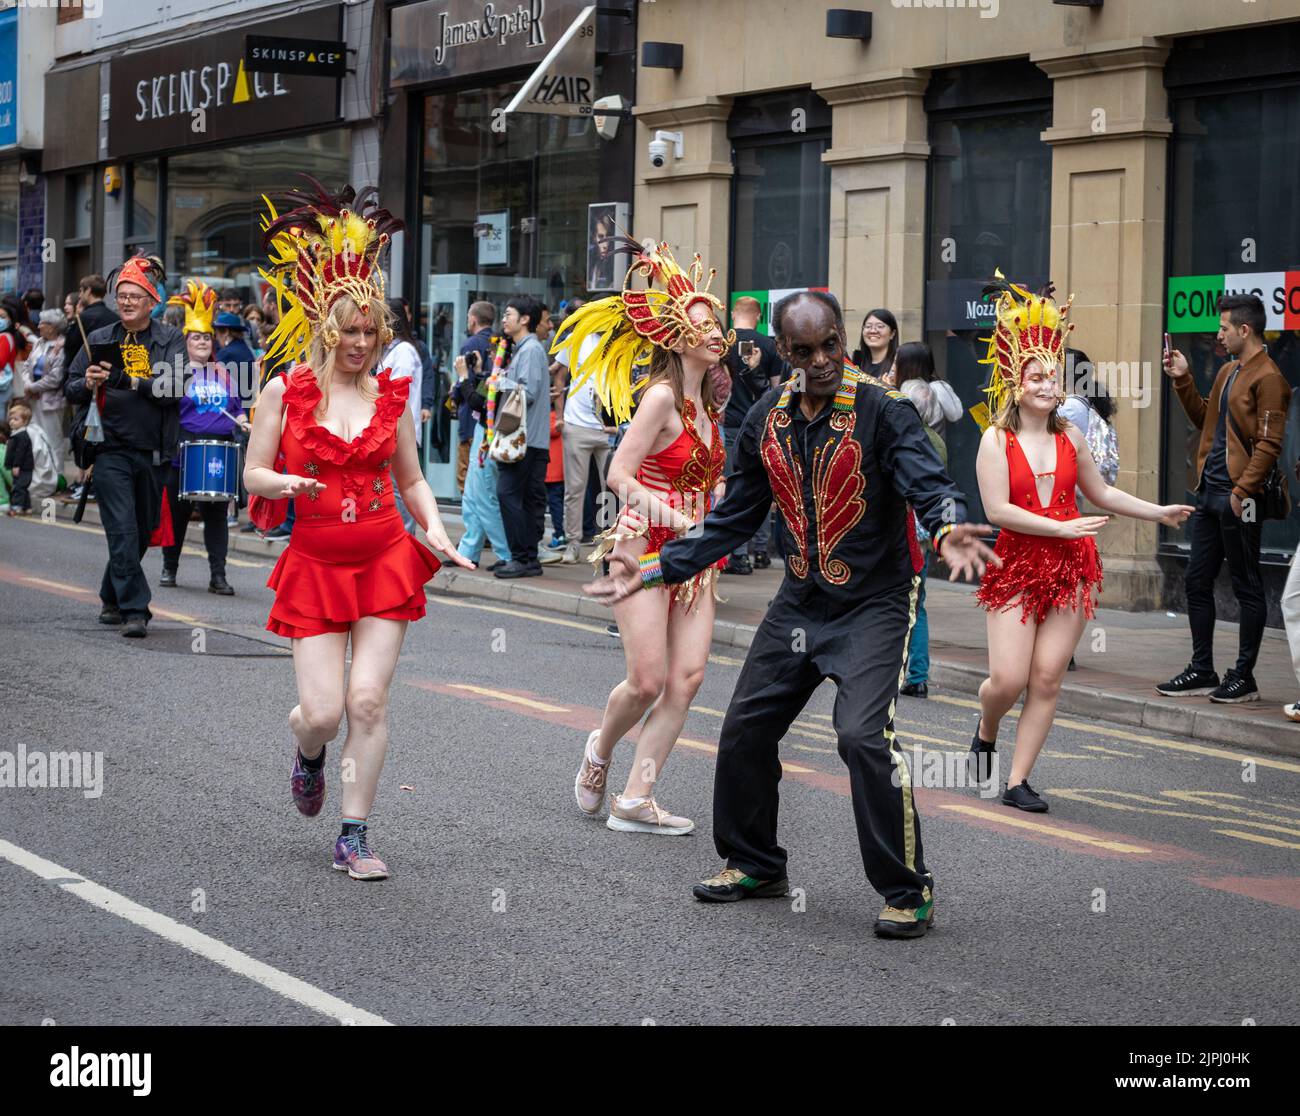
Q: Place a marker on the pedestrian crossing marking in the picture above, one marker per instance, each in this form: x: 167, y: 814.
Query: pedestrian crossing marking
x: 1002, y: 818
x: 502, y: 695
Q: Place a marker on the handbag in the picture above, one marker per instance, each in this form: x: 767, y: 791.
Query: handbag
x: 510, y: 414
x: 1274, y: 497
x: 267, y: 513
x: 509, y: 448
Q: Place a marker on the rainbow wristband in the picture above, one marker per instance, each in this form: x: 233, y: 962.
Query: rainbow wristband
x: 940, y: 535
x: 652, y: 574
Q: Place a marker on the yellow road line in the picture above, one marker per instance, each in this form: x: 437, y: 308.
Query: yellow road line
x: 1111, y: 751
x: 528, y: 703
x: 1139, y: 738
x: 704, y: 746
x: 1047, y: 830
x: 56, y: 585
x: 1259, y: 839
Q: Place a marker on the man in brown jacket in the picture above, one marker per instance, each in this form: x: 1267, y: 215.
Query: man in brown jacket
x: 1242, y: 423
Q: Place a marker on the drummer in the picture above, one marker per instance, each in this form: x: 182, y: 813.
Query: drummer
x: 210, y: 411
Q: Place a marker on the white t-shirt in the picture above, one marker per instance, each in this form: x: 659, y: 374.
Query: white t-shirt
x: 580, y: 406
x: 404, y: 360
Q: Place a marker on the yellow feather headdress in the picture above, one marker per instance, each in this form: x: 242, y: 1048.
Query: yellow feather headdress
x: 326, y: 247
x: 632, y: 323
x: 200, y: 302
x: 1027, y: 327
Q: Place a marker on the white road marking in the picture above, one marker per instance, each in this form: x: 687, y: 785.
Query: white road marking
x: 290, y: 987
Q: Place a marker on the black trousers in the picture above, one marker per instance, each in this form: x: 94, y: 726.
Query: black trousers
x: 521, y: 491
x: 1217, y: 534
x: 128, y: 487
x: 801, y: 642
x: 216, y: 532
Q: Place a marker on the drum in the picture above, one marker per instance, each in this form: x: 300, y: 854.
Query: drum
x: 209, y: 471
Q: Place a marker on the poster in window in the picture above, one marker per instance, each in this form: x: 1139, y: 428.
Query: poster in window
x: 493, y: 232
x: 605, y: 266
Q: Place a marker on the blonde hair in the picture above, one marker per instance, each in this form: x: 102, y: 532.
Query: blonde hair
x: 325, y: 342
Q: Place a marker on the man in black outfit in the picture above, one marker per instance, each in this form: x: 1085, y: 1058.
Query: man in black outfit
x: 752, y: 376
x: 93, y: 312
x: 139, y: 396
x: 843, y: 456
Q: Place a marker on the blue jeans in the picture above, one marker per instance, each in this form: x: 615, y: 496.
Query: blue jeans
x: 918, y: 652
x: 479, y: 507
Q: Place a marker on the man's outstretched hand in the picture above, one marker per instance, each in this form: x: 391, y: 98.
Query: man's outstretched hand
x: 623, y: 579
x: 963, y: 552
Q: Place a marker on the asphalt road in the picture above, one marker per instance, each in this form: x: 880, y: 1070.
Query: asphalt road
x: 1161, y: 889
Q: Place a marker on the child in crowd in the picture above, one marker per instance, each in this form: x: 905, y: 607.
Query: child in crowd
x: 29, y: 459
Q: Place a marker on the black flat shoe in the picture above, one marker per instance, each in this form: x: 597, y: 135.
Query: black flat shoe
x: 761, y: 561
x: 136, y: 628
x: 513, y: 569
x: 1023, y: 797
x: 168, y: 579
x: 110, y: 615
x: 915, y: 689
x: 219, y: 585
x: 980, y: 758
x: 738, y: 566
x: 496, y: 565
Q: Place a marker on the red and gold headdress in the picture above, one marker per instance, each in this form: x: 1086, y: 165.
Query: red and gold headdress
x: 326, y: 247
x: 146, y: 272
x: 200, y: 302
x: 1028, y: 327
x: 631, y: 324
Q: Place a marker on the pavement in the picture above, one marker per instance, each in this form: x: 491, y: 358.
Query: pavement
x: 1162, y: 888
x: 1121, y: 657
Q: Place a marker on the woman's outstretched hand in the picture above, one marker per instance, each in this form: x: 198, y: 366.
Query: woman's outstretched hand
x: 441, y: 545
x: 300, y: 486
x: 964, y: 554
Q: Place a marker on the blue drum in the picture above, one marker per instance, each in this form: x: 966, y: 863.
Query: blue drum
x: 209, y: 471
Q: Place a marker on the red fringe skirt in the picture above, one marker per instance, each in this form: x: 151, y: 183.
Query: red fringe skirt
x: 1042, y: 574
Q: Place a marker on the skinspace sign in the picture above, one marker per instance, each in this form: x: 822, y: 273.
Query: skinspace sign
x: 1193, y: 299
x: 441, y: 39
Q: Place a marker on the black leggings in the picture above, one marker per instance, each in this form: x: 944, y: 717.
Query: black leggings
x: 216, y: 533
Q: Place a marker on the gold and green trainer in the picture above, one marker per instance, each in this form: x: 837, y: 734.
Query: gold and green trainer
x: 906, y: 922
x: 731, y: 885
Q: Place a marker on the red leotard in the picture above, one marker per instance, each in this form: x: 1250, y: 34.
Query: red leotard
x: 349, y: 555
x: 1044, y: 573
x: 683, y: 475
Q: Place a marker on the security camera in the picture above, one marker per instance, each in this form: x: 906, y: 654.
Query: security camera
x: 607, y: 112
x: 664, y: 144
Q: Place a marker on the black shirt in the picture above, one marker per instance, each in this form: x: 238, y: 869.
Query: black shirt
x: 749, y: 385
x: 1214, y: 476
x: 842, y: 481
x: 142, y: 412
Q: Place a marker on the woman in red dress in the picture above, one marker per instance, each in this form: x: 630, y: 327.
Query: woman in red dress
x: 337, y: 440
x: 667, y: 473
x: 1030, y: 460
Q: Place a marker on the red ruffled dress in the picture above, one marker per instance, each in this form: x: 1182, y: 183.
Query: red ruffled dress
x: 1043, y: 573
x: 349, y: 555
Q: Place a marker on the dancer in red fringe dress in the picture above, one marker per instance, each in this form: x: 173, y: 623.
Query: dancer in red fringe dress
x: 342, y: 438
x: 1029, y: 461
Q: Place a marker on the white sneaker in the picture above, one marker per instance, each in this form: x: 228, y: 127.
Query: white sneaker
x: 589, y: 786
x: 645, y: 816
x: 549, y: 557
x: 570, y: 553
x: 1292, y: 711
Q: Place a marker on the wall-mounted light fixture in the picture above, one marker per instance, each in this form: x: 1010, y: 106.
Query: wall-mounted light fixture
x: 848, y: 23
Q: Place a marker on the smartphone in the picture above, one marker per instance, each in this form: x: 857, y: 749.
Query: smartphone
x: 1168, y: 347
x: 106, y: 352
x: 745, y: 349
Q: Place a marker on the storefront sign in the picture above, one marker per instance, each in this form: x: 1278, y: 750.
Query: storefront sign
x: 959, y: 304
x: 440, y: 39
x: 8, y: 77
x: 493, y: 232
x: 565, y: 83
x: 1193, y: 299
x: 265, y: 54
x: 199, y: 90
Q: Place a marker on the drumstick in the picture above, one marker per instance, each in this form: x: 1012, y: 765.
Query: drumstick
x: 228, y: 415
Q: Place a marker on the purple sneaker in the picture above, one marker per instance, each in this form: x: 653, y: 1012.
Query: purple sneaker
x: 308, y: 786
x: 353, y: 856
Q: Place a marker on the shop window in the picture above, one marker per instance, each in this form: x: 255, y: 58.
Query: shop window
x: 142, y: 222
x: 1234, y: 159
x: 214, y: 202
x: 988, y: 207
x: 781, y: 194
x: 9, y: 208
x: 81, y: 205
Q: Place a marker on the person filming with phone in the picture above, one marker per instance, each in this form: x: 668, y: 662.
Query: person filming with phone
x: 755, y: 366
x: 136, y: 378
x: 1242, y: 423
x: 472, y: 367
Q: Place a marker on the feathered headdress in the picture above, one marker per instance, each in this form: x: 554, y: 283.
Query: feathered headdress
x: 144, y: 271
x: 200, y: 302
x: 325, y: 247
x: 631, y: 324
x: 1028, y: 327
